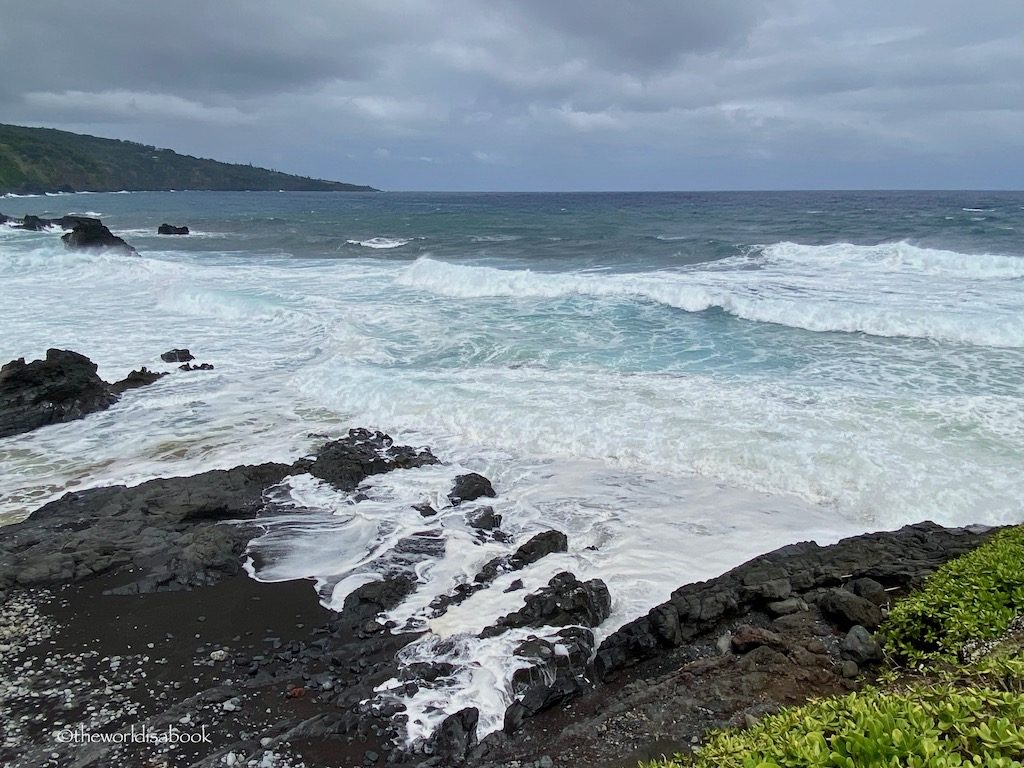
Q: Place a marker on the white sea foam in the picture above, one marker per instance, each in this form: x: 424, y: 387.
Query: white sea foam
x: 384, y: 243
x: 343, y: 543
x: 894, y: 290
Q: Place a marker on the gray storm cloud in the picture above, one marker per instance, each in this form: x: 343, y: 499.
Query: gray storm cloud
x: 541, y: 95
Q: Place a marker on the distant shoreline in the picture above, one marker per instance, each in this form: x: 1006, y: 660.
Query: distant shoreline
x: 59, y: 192
x: 48, y: 161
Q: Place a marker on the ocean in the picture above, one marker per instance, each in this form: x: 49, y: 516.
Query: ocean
x: 678, y: 381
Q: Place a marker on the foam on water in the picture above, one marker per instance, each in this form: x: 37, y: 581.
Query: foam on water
x: 343, y: 541
x: 379, y: 243
x: 888, y: 290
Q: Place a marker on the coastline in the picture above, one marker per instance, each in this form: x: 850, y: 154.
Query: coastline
x: 271, y: 672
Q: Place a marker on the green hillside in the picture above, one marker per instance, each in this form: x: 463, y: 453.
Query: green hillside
x: 36, y: 160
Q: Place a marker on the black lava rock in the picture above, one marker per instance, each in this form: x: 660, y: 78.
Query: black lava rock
x: 484, y: 519
x: 347, y: 462
x: 469, y: 488
x: 860, y: 646
x: 891, y: 558
x: 136, y: 379
x: 63, y: 387
x: 177, y: 356
x: 170, y: 229
x: 847, y: 609
x: 557, y: 673
x: 33, y: 224
x: 91, y: 235
x: 456, y: 736
x: 564, y: 601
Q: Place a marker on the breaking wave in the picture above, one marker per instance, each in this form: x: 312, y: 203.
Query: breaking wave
x: 888, y: 290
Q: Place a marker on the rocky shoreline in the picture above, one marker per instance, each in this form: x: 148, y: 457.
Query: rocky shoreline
x: 141, y: 615
x: 127, y: 610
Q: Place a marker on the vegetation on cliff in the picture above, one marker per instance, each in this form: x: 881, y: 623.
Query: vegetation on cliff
x: 960, y: 703
x: 968, y: 601
x: 37, y: 160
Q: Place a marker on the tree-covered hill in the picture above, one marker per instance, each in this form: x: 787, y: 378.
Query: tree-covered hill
x: 36, y: 160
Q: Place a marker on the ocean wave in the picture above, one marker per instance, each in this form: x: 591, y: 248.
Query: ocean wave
x: 381, y: 242
x: 53, y: 259
x: 895, y: 257
x: 892, y: 290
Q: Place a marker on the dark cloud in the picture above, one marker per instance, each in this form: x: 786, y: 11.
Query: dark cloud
x: 649, y: 35
x: 536, y: 93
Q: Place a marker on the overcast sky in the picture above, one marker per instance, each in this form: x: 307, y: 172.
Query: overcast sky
x: 541, y: 94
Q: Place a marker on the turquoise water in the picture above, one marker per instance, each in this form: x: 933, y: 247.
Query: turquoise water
x: 678, y: 381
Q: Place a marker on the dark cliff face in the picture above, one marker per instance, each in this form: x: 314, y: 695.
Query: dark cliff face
x: 37, y: 160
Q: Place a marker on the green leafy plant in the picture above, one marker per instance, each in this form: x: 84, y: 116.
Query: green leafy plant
x: 920, y: 727
x: 971, y: 598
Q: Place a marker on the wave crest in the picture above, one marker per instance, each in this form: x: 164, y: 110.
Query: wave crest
x: 889, y: 290
x: 381, y: 242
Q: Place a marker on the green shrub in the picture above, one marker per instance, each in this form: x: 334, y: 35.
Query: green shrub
x: 921, y: 727
x: 974, y: 597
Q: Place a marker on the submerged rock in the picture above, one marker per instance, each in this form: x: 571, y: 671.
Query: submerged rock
x: 541, y: 545
x: 63, y: 387
x: 537, y: 547
x: 91, y: 234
